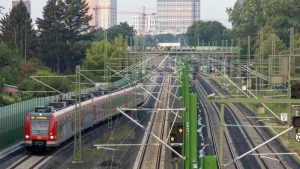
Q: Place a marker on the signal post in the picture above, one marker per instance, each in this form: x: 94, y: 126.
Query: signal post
x: 189, y: 125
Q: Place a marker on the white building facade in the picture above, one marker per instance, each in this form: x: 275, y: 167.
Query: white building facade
x: 104, y: 13
x: 144, y: 25
x: 175, y: 16
x: 151, y: 22
x: 137, y: 23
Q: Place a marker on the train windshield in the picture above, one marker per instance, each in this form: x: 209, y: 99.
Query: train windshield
x: 39, y: 127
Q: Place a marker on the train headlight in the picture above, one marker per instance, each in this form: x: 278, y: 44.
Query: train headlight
x: 51, y: 137
x: 27, y: 136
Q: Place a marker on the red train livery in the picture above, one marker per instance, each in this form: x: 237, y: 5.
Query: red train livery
x: 47, y: 129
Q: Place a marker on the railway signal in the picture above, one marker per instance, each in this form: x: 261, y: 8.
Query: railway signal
x: 296, y: 121
x: 172, y: 138
x: 295, y: 91
x: 176, y: 137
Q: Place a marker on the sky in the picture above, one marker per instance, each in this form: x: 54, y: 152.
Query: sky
x: 210, y: 9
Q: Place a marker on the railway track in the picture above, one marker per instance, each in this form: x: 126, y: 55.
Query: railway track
x: 29, y: 161
x: 151, y: 155
x: 238, y: 139
x: 254, y: 136
x: 214, y: 128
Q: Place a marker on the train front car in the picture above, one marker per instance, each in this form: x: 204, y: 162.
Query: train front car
x: 40, y: 130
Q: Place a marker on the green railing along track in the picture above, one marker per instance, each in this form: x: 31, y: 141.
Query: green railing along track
x: 12, y: 117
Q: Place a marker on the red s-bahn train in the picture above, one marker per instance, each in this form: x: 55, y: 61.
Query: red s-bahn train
x: 46, y: 129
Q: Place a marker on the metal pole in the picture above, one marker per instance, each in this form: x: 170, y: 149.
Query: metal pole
x: 248, y: 60
x: 231, y: 45
x: 221, y: 136
x: 239, y: 59
x: 261, y: 59
x: 291, y: 62
x: 193, y: 128
x: 186, y: 134
x: 77, y: 137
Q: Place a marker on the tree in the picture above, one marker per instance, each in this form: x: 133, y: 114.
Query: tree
x: 98, y: 34
x: 122, y: 29
x: 17, y: 31
x: 95, y: 56
x: 247, y: 18
x: 8, y: 57
x: 267, y: 45
x: 28, y: 68
x: 7, y: 75
x: 52, y: 44
x: 205, y: 31
x: 64, y: 31
x: 61, y: 84
x: 4, y: 102
x: 1, y: 7
x: 76, y: 20
x: 281, y: 16
x: 270, y: 16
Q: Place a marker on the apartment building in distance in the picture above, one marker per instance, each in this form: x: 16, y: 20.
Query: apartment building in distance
x: 144, y: 24
x: 104, y: 13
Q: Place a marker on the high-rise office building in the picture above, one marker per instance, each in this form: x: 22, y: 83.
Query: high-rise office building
x: 104, y: 13
x: 175, y: 16
x: 26, y: 2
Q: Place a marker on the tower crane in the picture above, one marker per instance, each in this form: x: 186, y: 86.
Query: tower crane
x: 143, y: 14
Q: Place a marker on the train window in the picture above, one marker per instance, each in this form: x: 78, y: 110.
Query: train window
x: 39, y: 127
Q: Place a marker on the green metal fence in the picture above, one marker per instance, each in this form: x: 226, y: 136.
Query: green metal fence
x: 12, y: 117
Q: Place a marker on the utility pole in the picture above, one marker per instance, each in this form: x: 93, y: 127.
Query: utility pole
x: 77, y: 137
x: 248, y: 61
x: 193, y: 128
x: 185, y: 116
x: 239, y: 59
x: 261, y: 58
x: 189, y: 122
x: 26, y: 35
x: 291, y: 71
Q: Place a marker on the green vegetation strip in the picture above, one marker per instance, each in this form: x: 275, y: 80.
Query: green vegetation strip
x: 93, y: 157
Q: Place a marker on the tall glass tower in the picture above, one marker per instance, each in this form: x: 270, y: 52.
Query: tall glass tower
x: 175, y: 16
